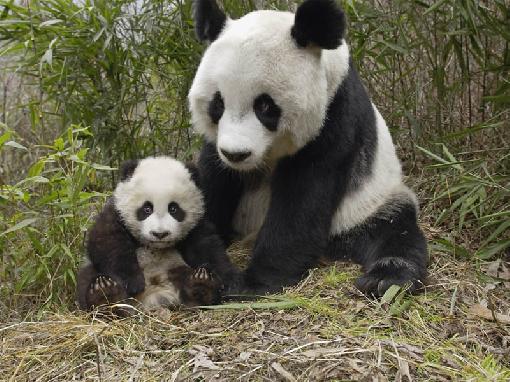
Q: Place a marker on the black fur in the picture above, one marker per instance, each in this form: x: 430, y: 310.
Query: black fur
x: 306, y: 189
x: 195, y: 174
x: 267, y: 111
x: 144, y: 211
x: 90, y: 296
x: 176, y: 211
x: 216, y: 108
x: 197, y: 286
x: 112, y: 250
x: 390, y: 247
x: 222, y: 188
x: 127, y: 168
x: 209, y: 19
x: 202, y: 247
x: 319, y: 22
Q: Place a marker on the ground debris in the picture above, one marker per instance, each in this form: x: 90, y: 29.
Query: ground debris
x: 481, y: 310
x: 282, y: 372
x: 446, y: 333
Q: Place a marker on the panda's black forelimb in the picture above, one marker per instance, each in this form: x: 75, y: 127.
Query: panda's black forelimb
x: 222, y: 189
x: 112, y: 250
x: 203, y: 247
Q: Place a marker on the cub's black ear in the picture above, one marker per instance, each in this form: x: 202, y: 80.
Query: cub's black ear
x: 319, y: 22
x: 209, y: 19
x: 127, y: 168
x: 195, y: 174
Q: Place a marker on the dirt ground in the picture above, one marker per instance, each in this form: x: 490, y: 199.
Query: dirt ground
x: 458, y: 328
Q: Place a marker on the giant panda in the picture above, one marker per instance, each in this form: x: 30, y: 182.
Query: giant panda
x: 296, y: 154
x: 151, y: 242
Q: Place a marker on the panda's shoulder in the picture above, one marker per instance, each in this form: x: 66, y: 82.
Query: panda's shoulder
x: 108, y: 221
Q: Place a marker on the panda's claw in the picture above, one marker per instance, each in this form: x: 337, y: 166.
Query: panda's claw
x: 381, y: 277
x: 201, y: 274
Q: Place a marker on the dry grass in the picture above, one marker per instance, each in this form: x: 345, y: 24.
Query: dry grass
x: 330, y: 332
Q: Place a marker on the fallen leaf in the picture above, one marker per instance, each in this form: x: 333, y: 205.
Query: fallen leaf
x: 484, y: 312
x: 201, y: 358
x: 316, y: 353
x: 403, y: 374
x: 244, y: 355
x: 411, y: 350
x: 283, y: 373
x: 499, y: 269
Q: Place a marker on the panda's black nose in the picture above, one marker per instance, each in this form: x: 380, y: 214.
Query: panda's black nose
x: 236, y: 157
x: 160, y: 235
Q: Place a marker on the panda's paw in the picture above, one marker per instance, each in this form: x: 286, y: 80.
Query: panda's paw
x: 105, y: 290
x: 390, y: 271
x: 202, y: 288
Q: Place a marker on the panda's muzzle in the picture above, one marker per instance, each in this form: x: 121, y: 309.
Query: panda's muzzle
x: 160, y: 235
x: 236, y: 157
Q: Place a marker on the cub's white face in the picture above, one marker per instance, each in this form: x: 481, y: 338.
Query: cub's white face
x: 257, y: 95
x: 159, y: 203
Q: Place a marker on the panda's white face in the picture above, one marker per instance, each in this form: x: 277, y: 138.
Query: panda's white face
x: 257, y: 95
x: 159, y: 203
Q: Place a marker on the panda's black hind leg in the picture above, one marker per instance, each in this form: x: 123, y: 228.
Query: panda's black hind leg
x: 390, y: 247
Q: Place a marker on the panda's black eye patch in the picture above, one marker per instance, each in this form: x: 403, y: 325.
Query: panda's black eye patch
x: 176, y: 211
x: 144, y: 211
x: 267, y: 111
x: 216, y: 108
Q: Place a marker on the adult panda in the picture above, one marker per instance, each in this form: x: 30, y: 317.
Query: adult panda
x: 296, y: 153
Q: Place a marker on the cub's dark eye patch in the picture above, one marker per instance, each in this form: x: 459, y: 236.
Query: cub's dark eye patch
x: 216, y: 108
x: 144, y: 211
x: 176, y: 211
x: 267, y: 111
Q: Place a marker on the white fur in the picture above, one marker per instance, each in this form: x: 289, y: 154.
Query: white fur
x: 383, y: 184
x: 253, y: 55
x: 159, y: 180
x: 252, y: 209
x: 156, y: 264
x: 256, y: 54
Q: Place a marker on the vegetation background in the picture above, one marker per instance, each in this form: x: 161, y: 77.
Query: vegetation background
x: 86, y: 84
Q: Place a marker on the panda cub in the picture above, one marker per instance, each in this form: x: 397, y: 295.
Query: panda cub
x: 151, y: 242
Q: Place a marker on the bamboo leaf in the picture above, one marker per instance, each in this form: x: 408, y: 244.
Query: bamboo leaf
x: 277, y: 304
x: 22, y: 224
x: 434, y: 6
x: 15, y: 145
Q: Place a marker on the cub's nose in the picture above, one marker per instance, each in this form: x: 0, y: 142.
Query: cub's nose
x: 160, y: 235
x: 236, y: 157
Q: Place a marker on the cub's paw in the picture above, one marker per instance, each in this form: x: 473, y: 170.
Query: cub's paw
x: 202, y: 288
x: 391, y: 271
x: 104, y: 290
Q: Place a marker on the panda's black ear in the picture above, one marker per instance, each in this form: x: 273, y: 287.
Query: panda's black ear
x: 209, y: 19
x: 127, y: 168
x: 319, y: 22
x: 195, y: 174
